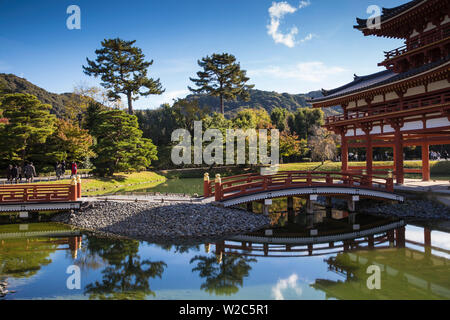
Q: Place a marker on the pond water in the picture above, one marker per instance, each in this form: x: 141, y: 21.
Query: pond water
x: 413, y: 262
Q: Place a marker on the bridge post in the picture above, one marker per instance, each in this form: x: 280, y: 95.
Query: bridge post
x: 266, y: 206
x: 310, y: 204
x: 290, y: 205
x: 351, y: 203
x: 218, y: 188
x: 400, y: 237
x: 78, y: 186
x: 328, y: 202
x: 206, y: 193
x: 73, y: 190
x: 352, y: 218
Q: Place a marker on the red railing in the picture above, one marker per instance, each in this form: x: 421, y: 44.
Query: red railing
x: 419, y: 42
x: 407, y: 104
x: 40, y: 193
x: 232, y: 187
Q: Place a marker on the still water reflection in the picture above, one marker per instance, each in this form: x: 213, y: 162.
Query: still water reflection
x: 414, y: 263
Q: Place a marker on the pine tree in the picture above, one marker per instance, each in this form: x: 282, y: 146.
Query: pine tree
x: 120, y: 146
x: 222, y: 77
x: 29, y: 123
x: 123, y: 70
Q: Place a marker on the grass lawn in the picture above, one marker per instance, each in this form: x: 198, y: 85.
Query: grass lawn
x: 440, y: 170
x: 120, y: 182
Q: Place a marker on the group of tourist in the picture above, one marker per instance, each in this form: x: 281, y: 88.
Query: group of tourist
x: 60, y: 169
x: 15, y: 173
x: 438, y: 156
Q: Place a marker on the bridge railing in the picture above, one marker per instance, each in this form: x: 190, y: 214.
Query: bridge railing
x: 24, y: 193
x: 231, y: 187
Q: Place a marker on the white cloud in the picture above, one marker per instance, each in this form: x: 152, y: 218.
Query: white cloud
x: 284, y: 284
x: 304, y: 4
x: 314, y: 71
x: 277, y: 11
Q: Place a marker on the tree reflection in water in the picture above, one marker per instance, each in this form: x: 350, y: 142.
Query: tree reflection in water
x: 223, y: 277
x: 127, y: 276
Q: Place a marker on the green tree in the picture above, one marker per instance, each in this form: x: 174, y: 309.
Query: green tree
x: 304, y: 120
x: 91, y: 119
x: 127, y: 274
x: 120, y: 146
x: 279, y: 117
x: 123, y: 70
x: 222, y: 77
x: 223, y: 278
x: 29, y: 123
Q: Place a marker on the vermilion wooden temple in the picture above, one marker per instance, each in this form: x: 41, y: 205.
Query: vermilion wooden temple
x: 408, y: 104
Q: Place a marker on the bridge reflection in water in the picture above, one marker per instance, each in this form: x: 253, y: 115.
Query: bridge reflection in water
x: 414, y: 262
x: 410, y: 268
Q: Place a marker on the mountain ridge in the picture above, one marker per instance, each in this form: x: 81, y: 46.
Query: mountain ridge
x: 267, y: 100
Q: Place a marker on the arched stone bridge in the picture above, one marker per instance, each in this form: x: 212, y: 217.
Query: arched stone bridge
x: 235, y: 190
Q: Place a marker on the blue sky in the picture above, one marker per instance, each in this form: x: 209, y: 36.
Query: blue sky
x: 323, y: 51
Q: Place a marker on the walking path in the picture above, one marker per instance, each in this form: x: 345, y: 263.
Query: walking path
x: 46, y: 179
x: 415, y: 185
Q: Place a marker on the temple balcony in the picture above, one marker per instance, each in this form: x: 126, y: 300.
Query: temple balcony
x: 397, y: 107
x: 418, y: 51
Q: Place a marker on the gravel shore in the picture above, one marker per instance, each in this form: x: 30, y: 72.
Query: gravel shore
x: 160, y: 222
x: 417, y: 209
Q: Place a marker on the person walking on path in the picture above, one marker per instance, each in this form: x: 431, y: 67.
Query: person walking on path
x: 14, y: 174
x: 30, y: 172
x: 63, y: 167
x: 74, y: 169
x: 58, y: 171
x: 9, y: 173
x: 19, y: 173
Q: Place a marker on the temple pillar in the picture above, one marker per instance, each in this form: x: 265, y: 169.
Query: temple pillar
x: 344, y: 152
x: 250, y: 206
x: 426, y: 175
x: 398, y: 156
x: 369, y: 155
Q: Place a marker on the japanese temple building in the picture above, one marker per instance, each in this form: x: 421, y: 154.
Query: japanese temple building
x: 408, y: 104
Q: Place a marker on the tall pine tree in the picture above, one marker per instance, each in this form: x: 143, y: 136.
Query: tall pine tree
x: 123, y: 70
x: 222, y: 77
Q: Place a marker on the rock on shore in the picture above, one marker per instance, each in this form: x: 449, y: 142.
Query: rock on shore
x: 418, y: 209
x: 163, y: 222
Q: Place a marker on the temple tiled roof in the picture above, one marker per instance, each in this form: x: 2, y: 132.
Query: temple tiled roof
x: 388, y: 13
x: 375, y: 80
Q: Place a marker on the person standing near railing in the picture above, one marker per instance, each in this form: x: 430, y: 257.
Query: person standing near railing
x: 30, y: 172
x: 19, y: 174
x: 9, y: 173
x: 14, y: 174
x: 74, y: 169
